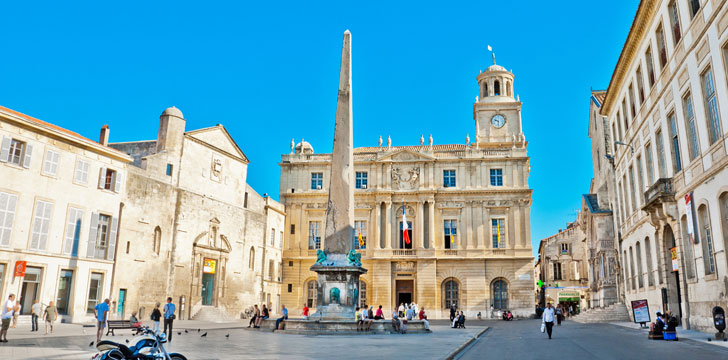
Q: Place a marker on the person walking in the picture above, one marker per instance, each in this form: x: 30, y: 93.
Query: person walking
x: 169, y: 317
x: 102, y: 311
x: 282, y: 318
x: 34, y: 315
x: 50, y: 315
x: 548, y: 318
x: 559, y: 314
x: 156, y: 315
x: 7, y: 315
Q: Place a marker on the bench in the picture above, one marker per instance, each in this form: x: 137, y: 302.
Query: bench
x: 111, y: 325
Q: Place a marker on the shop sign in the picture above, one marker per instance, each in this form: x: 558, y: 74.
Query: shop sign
x: 208, y: 266
x: 641, y: 311
x: 20, y: 268
x: 673, y: 256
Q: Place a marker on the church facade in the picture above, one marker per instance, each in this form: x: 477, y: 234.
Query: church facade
x: 467, y: 210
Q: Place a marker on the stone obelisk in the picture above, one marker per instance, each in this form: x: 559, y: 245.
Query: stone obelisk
x: 340, y: 210
x: 339, y: 266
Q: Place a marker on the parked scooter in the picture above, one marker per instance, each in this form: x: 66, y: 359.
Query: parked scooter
x: 147, y: 346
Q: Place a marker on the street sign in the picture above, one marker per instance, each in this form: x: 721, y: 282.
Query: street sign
x: 20, y: 268
x: 641, y: 311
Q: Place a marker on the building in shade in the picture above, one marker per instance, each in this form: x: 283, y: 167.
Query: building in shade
x: 60, y: 203
x: 667, y: 110
x: 467, y: 208
x: 562, y: 269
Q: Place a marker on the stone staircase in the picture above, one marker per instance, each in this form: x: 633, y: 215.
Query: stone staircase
x: 212, y: 314
x: 613, y: 313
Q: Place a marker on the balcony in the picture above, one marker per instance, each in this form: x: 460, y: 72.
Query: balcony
x: 403, y: 252
x: 660, y: 202
x: 450, y: 252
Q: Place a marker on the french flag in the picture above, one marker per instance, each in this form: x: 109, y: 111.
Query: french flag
x: 405, y: 233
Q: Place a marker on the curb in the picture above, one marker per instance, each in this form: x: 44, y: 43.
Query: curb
x: 460, y: 349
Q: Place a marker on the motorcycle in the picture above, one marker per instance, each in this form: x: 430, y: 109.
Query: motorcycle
x: 147, y: 346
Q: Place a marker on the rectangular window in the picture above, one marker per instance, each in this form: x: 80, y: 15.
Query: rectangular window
x: 280, y: 239
x: 557, y: 271
x: 498, y: 232
x: 17, y: 152
x: 50, y: 165
x: 41, y: 225
x: 271, y: 269
x: 632, y: 99
x: 99, y: 236
x: 693, y: 147
x: 314, y: 235
x: 621, y: 121
x: 672, y: 12
x: 361, y: 180
x: 660, y: 154
x: 640, y: 86
x: 694, y: 7
x: 496, y: 177
x: 272, y: 237
x: 169, y: 170
x: 109, y: 179
x: 632, y: 190
x: 73, y: 231
x: 661, y: 49
x: 650, y: 67
x: 8, y: 203
x: 293, y: 229
x: 649, y: 164
x: 711, y: 104
x: 564, y: 249
x: 674, y: 144
x: 290, y: 287
x: 64, y: 292
x: 317, y: 181
x: 451, y: 234
x: 448, y: 178
x: 245, y: 201
x: 640, y: 181
x: 81, y: 174
x: 2, y: 277
x: 614, y: 131
x: 94, y: 291
x: 360, y: 228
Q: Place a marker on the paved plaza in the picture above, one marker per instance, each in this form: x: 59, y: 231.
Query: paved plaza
x: 501, y: 340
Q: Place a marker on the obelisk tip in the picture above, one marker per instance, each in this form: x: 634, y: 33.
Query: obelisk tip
x: 347, y: 32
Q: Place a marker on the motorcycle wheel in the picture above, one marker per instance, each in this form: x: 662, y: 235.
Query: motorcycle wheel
x: 175, y: 356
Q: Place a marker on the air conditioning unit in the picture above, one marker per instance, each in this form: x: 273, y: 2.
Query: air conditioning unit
x: 318, y: 187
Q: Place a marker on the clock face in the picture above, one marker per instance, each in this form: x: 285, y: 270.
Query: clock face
x: 498, y: 121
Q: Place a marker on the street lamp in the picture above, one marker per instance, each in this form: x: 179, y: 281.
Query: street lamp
x: 624, y: 144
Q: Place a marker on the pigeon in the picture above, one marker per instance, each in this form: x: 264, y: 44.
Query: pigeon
x: 203, y: 335
x: 186, y: 331
x: 91, y: 344
x: 228, y: 335
x: 127, y: 340
x: 198, y: 330
x: 179, y: 333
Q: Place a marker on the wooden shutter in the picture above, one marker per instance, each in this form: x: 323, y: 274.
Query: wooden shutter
x: 5, y: 149
x: 117, y: 182
x: 73, y: 230
x: 37, y: 222
x: 91, y: 250
x: 28, y: 153
x: 45, y: 229
x: 112, y: 238
x: 102, y: 177
x: 10, y: 202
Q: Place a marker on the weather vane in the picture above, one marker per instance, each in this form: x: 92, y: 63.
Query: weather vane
x: 492, y: 53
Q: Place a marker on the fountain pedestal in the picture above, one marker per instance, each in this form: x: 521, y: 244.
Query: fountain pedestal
x: 338, y: 288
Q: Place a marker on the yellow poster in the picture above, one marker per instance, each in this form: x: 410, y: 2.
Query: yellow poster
x: 675, y: 263
x: 208, y: 266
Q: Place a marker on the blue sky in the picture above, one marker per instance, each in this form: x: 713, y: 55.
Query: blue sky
x: 269, y: 72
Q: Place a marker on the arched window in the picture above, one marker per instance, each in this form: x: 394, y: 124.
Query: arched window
x: 631, y: 267
x: 311, y: 290
x: 706, y: 237
x: 362, y: 293
x: 496, y: 88
x: 452, y: 293
x: 688, y: 246
x: 500, y: 294
x: 640, y: 278
x: 625, y: 271
x: 485, y: 89
x: 508, y: 88
x: 157, y: 239
x: 648, y: 258
x: 251, y: 260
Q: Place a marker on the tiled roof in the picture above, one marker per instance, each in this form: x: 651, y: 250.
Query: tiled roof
x: 376, y: 149
x: 55, y: 127
x: 599, y: 96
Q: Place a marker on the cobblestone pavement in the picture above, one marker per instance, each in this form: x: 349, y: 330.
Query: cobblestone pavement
x: 70, y: 342
x: 523, y: 340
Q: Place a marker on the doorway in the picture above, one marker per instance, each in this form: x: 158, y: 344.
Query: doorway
x: 121, y: 303
x: 30, y: 289
x: 404, y: 291
x: 208, y: 284
x: 672, y: 298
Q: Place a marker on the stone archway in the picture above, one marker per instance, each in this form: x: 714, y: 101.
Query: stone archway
x: 671, y: 294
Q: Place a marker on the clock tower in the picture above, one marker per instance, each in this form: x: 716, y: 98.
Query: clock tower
x: 497, y: 112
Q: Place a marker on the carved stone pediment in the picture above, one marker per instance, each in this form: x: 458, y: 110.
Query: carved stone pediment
x: 410, y: 211
x: 450, y: 205
x: 405, y: 177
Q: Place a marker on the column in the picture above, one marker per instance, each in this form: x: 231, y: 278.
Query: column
x: 487, y: 236
x: 388, y: 227
x: 373, y: 232
x: 467, y: 235
x: 303, y: 231
x: 420, y: 235
x: 478, y: 224
x: 527, y: 221
x: 518, y: 235
x: 431, y: 223
x: 511, y: 226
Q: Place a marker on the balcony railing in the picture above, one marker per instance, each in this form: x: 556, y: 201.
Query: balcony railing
x: 450, y: 252
x: 660, y: 191
x: 403, y: 252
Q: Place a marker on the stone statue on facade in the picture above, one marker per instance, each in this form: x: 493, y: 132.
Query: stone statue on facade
x: 380, y: 140
x: 293, y: 146
x: 422, y: 140
x: 467, y: 139
x: 389, y: 141
x: 430, y: 140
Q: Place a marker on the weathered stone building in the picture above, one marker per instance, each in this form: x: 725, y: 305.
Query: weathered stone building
x: 193, y: 229
x: 563, y: 264
x: 667, y: 106
x: 60, y: 204
x: 467, y: 208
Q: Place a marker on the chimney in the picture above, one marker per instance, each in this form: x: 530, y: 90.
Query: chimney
x: 104, y: 137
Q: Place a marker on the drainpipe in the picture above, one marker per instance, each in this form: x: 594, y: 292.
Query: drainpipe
x: 116, y: 254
